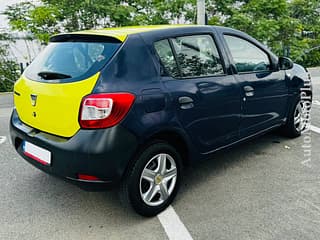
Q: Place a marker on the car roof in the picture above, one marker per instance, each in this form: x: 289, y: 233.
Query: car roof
x: 121, y: 33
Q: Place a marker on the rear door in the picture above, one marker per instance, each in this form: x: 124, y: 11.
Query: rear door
x: 264, y: 90
x: 205, y: 98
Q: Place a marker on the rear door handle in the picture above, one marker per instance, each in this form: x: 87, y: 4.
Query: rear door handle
x: 249, y: 91
x: 186, y: 102
x: 248, y: 88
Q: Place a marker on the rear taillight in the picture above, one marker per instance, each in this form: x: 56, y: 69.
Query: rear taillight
x: 104, y: 110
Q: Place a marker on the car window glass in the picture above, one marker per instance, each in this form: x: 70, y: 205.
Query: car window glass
x: 167, y: 58
x: 78, y: 60
x: 247, y: 56
x: 197, y: 56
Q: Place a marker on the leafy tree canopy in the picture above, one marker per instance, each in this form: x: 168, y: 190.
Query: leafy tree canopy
x: 287, y: 27
x: 8, y: 67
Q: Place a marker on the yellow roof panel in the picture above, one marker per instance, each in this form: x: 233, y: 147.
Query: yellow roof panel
x: 121, y: 33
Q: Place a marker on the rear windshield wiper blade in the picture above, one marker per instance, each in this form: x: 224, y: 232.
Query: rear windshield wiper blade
x: 53, y: 75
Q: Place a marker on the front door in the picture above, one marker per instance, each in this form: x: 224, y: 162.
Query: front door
x: 264, y: 90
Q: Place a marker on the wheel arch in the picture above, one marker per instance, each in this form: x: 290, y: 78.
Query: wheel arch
x: 170, y: 136
x: 176, y: 140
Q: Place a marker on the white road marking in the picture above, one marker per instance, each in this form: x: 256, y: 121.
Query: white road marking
x: 173, y: 226
x: 316, y: 102
x: 315, y: 129
x: 3, y: 139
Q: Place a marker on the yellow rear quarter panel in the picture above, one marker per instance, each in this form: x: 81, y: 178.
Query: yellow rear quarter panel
x: 57, y: 106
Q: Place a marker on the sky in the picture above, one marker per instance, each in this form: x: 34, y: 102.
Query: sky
x: 3, y: 5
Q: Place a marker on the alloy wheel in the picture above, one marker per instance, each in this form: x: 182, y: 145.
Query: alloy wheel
x: 300, y: 116
x: 158, y: 179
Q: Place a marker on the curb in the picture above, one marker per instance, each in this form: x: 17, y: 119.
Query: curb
x: 314, y: 68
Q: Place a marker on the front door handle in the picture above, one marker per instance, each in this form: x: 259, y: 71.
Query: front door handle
x: 186, y: 102
x: 249, y: 91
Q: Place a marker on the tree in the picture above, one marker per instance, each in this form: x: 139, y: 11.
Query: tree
x: 8, y: 67
x: 42, y: 21
x: 54, y: 16
x: 287, y: 27
x: 308, y: 12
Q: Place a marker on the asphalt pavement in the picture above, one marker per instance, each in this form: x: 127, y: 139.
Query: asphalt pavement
x: 268, y: 188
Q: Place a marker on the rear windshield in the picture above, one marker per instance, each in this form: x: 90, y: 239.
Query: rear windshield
x: 70, y: 61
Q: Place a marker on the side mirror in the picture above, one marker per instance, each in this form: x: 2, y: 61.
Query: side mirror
x: 285, y: 63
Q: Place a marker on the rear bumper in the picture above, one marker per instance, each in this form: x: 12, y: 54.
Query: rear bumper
x: 104, y: 153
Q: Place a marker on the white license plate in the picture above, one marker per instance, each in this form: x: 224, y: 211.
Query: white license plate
x: 37, y: 153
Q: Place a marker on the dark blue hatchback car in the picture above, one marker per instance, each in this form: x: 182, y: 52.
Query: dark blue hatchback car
x: 132, y: 106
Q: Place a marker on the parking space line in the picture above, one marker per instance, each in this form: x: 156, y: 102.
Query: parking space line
x: 316, y: 102
x: 315, y: 129
x: 2, y: 139
x: 173, y: 226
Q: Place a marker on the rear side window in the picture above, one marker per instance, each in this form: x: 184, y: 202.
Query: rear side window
x: 197, y: 56
x: 166, y: 56
x: 191, y: 56
x: 71, y: 60
x: 246, y: 56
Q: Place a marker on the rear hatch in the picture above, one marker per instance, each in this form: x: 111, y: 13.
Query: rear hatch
x: 49, y: 94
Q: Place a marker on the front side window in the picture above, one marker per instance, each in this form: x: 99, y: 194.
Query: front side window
x: 71, y: 60
x: 246, y: 56
x: 191, y: 56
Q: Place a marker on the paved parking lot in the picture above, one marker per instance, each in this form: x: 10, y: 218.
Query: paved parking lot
x: 268, y: 188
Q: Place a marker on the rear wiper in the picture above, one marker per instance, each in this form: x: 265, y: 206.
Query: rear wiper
x: 53, y: 75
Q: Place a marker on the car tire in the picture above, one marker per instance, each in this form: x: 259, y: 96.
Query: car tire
x: 297, y: 120
x: 153, y: 180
